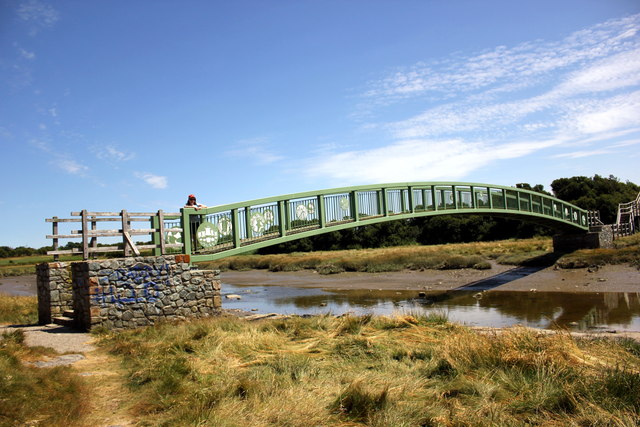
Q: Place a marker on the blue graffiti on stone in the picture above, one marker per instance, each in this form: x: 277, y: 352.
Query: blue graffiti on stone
x: 138, y: 283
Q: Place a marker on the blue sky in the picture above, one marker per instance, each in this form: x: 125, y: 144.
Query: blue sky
x: 135, y: 104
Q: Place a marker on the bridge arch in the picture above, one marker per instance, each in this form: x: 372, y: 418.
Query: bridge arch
x: 226, y: 230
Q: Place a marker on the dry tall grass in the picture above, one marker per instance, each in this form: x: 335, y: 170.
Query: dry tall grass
x: 626, y: 250
x: 400, y: 371
x: 451, y: 256
x: 32, y: 396
x: 18, y: 309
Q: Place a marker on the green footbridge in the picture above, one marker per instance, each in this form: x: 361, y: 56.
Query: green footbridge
x: 221, y: 231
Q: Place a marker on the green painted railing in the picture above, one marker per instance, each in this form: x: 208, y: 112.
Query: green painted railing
x: 221, y: 231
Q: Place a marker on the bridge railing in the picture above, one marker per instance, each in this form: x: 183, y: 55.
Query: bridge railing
x: 230, y: 228
x: 628, y: 215
x: 164, y: 228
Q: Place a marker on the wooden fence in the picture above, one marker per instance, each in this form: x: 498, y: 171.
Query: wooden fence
x: 89, y: 232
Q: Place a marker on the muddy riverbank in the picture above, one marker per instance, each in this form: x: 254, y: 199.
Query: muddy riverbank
x: 609, y: 278
x: 18, y: 285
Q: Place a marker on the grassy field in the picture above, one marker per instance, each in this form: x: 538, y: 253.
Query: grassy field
x: 375, y: 371
x: 407, y: 370
x: 18, y: 266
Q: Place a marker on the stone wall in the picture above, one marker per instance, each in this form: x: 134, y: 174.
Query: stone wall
x: 132, y: 292
x: 54, y: 290
x: 602, y: 238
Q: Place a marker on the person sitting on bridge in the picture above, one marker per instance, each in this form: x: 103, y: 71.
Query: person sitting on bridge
x: 191, y: 203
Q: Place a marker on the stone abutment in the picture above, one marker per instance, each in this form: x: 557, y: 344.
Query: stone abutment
x: 126, y: 293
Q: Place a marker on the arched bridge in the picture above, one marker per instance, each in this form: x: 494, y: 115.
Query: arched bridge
x: 221, y: 231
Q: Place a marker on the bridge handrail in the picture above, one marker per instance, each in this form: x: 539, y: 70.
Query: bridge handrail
x: 631, y: 210
x: 89, y: 232
x: 230, y: 225
x: 388, y: 186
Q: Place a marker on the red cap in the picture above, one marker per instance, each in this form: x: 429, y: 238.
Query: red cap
x: 191, y: 196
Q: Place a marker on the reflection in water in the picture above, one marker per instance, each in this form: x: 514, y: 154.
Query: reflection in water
x: 579, y: 311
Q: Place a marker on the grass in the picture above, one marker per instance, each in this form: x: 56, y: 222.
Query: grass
x: 440, y: 257
x: 17, y: 310
x: 19, y: 266
x: 527, y: 252
x: 626, y: 250
x: 36, y: 396
x: 379, y: 371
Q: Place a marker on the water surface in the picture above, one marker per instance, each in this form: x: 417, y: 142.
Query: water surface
x: 618, y: 311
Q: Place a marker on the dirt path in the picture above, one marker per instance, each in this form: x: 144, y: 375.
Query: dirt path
x: 109, y: 399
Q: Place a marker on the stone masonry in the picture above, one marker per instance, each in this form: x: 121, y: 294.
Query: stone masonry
x: 600, y: 237
x: 132, y: 292
x: 54, y: 290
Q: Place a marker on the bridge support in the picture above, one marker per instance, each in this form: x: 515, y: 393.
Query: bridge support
x: 598, y: 237
x: 125, y: 293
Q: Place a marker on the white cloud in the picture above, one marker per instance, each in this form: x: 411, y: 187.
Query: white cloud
x: 254, y: 149
x: 70, y: 166
x: 418, y: 160
x: 580, y: 154
x: 26, y: 54
x: 38, y: 14
x: 155, y: 181
x: 626, y: 143
x: 112, y: 153
x: 515, y: 67
x: 40, y: 144
x: 505, y: 103
x: 604, y: 115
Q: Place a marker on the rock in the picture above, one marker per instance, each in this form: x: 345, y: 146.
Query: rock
x: 233, y: 296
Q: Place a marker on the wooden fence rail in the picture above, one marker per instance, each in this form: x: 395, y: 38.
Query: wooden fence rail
x: 89, y: 232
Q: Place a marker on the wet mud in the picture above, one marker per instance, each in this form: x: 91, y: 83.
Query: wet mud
x: 610, y: 278
x: 18, y: 285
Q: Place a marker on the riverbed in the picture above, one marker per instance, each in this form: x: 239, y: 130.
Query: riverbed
x: 602, y: 299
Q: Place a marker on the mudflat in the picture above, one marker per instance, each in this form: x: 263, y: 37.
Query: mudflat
x: 609, y: 278
x: 18, y: 285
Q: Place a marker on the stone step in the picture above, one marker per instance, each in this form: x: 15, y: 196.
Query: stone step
x: 69, y: 313
x: 64, y: 321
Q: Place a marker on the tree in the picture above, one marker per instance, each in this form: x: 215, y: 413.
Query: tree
x: 597, y: 193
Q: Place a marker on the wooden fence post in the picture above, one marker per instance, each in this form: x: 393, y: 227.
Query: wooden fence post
x: 161, y: 231
x: 55, y: 239
x: 94, y: 240
x: 125, y: 232
x: 85, y: 239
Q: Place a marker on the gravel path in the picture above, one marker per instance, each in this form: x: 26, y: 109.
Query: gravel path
x: 60, y: 338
